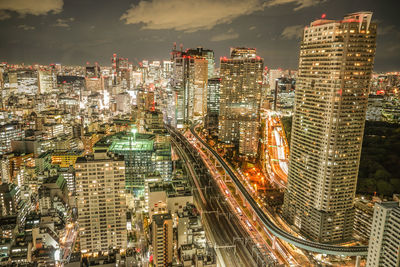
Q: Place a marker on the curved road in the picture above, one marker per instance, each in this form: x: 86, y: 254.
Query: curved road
x: 298, y: 242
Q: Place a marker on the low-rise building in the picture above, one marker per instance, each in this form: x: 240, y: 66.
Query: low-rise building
x: 171, y: 196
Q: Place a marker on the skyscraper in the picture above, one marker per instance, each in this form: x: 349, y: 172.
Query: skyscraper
x: 207, y: 54
x: 199, y: 84
x: 336, y: 61
x: 100, y: 190
x: 384, y: 241
x: 213, y: 92
x: 240, y: 96
x: 189, y: 79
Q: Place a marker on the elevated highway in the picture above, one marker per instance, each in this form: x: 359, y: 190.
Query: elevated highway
x: 232, y: 243
x: 275, y: 230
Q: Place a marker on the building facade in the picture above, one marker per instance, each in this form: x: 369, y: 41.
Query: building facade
x: 335, y: 66
x: 137, y: 150
x: 364, y: 211
x: 213, y: 93
x: 384, y: 242
x: 240, y: 96
x: 9, y: 132
x: 100, y: 190
x: 189, y: 80
x: 162, y: 239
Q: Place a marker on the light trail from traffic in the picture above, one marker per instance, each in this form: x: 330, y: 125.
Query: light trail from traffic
x: 277, y: 150
x: 242, y: 216
x: 226, y: 233
x: 276, y: 231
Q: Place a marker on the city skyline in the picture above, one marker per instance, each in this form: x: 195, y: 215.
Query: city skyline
x: 201, y: 133
x: 72, y: 34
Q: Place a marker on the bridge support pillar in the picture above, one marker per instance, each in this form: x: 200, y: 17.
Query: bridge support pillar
x: 224, y: 177
x: 358, y: 259
x: 273, y: 243
x: 243, y: 199
x: 234, y: 191
x: 215, y: 161
x: 211, y: 157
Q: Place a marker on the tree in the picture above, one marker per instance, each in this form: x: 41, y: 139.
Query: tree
x: 382, y: 174
x: 396, y: 184
x: 366, y: 185
x: 380, y: 157
x: 384, y: 188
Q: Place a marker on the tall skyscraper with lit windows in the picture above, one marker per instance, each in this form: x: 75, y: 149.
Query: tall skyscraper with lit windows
x: 335, y: 66
x: 240, y: 96
x: 189, y: 80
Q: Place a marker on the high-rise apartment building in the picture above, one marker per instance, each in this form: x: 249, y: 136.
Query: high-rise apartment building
x: 384, y: 241
x: 120, y: 69
x: 240, y: 96
x: 199, y: 88
x: 145, y: 100
x: 335, y: 66
x: 162, y: 239
x: 167, y: 69
x: 100, y: 191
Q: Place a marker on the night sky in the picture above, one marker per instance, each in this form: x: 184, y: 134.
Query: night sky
x: 72, y: 32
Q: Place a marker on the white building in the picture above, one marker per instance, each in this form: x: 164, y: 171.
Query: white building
x: 169, y: 197
x: 273, y: 76
x: 384, y: 242
x: 375, y: 107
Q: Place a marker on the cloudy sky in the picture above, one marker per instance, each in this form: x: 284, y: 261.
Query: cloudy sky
x: 77, y: 31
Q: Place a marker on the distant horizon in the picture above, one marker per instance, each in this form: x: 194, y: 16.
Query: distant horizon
x: 161, y: 60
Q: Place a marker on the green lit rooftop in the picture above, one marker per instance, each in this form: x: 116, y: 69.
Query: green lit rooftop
x: 131, y: 145
x: 126, y: 141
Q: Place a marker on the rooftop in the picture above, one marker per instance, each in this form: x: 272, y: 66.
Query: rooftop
x: 128, y: 145
x: 160, y: 218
